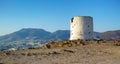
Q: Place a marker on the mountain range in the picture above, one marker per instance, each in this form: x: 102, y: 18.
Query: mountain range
x: 35, y: 38
x: 41, y: 34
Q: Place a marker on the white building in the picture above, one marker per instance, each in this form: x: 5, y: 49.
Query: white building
x: 81, y: 28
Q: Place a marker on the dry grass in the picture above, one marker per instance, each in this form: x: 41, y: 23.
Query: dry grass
x: 74, y: 52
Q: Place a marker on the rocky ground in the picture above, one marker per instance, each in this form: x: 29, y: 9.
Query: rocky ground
x: 67, y: 52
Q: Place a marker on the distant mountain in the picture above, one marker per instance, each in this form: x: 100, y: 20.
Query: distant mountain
x: 40, y: 34
x: 110, y: 35
x: 60, y: 35
x: 25, y: 34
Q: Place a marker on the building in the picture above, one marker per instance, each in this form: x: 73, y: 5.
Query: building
x: 81, y: 28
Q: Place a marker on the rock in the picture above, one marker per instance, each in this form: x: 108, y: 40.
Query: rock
x: 23, y: 54
x: 8, y: 53
x: 117, y: 42
x: 29, y: 54
x: 53, y: 53
x: 65, y: 50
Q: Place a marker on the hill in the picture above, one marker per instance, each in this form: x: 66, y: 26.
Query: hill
x: 67, y: 52
x: 110, y: 35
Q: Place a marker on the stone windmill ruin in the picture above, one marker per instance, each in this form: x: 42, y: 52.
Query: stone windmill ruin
x: 81, y: 28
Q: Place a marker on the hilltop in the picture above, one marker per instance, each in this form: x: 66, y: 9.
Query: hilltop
x: 67, y: 52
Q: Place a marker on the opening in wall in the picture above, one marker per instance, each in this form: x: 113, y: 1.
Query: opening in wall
x: 72, y: 20
x: 88, y: 26
x: 89, y: 32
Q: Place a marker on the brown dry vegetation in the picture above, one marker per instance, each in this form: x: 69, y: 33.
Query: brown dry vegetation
x: 67, y: 52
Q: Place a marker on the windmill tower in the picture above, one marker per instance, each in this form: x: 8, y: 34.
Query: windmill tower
x: 81, y: 28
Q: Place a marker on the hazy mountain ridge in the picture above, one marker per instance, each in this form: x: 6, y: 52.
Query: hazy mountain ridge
x: 110, y: 35
x: 26, y: 33
x: 61, y: 34
x: 41, y: 34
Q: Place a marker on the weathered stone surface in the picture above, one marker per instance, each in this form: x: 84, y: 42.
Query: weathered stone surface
x: 81, y: 28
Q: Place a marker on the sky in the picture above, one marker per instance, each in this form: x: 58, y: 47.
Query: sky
x: 53, y: 15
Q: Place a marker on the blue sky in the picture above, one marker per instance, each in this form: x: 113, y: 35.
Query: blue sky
x: 53, y: 15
